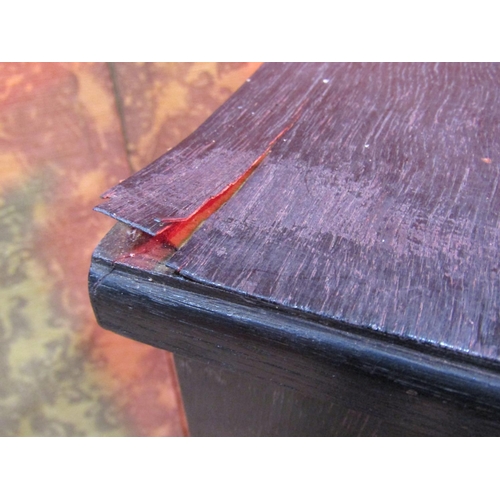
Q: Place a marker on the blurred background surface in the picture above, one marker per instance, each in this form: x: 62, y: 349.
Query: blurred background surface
x: 68, y: 132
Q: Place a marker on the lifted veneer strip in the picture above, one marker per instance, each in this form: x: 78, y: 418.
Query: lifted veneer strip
x: 180, y: 230
x: 179, y: 182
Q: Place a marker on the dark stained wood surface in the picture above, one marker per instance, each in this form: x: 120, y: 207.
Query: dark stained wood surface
x: 204, y: 164
x: 398, y: 388
x: 373, y: 216
x: 224, y: 402
x: 379, y: 208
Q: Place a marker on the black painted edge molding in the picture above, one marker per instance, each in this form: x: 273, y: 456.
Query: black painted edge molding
x: 164, y: 310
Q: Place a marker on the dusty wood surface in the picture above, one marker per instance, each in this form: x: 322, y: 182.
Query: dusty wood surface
x: 374, y: 208
x: 380, y: 208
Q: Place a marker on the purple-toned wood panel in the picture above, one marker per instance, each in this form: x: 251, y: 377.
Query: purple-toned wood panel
x: 378, y: 208
x: 216, y: 155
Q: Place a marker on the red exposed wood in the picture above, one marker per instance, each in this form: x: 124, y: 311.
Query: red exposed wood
x: 178, y: 232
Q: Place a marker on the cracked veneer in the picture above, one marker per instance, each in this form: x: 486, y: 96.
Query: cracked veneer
x: 178, y: 231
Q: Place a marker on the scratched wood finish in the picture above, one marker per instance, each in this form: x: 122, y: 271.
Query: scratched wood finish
x: 379, y: 208
x: 206, y: 162
x: 374, y: 218
x: 235, y: 346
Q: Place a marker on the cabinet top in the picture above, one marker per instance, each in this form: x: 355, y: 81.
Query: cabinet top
x: 371, y: 199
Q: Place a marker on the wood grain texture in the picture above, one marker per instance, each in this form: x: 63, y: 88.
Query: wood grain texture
x: 363, y: 249
x: 398, y: 388
x: 200, y: 167
x: 379, y: 208
x: 224, y: 402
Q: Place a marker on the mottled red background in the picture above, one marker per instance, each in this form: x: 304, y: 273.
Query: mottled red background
x: 68, y: 132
